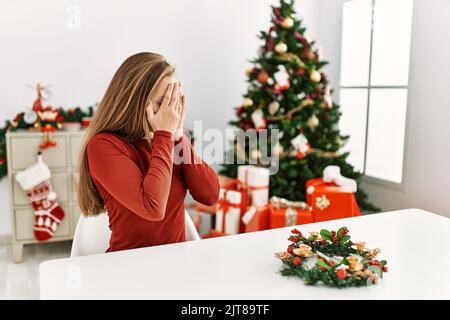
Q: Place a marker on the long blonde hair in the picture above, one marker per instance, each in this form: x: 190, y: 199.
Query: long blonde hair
x: 122, y: 111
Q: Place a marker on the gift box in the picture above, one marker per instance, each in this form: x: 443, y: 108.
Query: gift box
x: 256, y: 219
x: 256, y: 180
x: 285, y: 213
x: 228, y: 214
x: 330, y: 201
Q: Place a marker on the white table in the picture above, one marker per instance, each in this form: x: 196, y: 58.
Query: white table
x: 414, y: 242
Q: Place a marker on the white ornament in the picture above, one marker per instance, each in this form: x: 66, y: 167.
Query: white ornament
x: 313, y: 121
x: 255, y: 154
x: 47, y: 222
x: 247, y: 102
x: 40, y: 221
x: 274, y: 106
x: 287, y: 23
x: 315, y: 76
x: 301, y: 95
x: 281, y: 47
x: 54, y: 226
x: 277, y: 149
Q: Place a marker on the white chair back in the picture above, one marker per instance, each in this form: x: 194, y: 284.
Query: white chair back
x: 92, y: 234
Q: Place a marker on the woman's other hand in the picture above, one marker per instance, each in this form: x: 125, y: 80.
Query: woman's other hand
x: 180, y: 128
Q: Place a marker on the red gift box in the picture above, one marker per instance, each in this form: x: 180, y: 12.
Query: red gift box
x: 329, y: 201
x: 256, y: 219
x: 285, y: 213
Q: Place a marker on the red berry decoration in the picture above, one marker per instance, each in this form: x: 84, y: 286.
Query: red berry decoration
x: 384, y: 268
x: 293, y: 238
x: 290, y: 249
x: 341, y: 274
x: 301, y: 72
x: 297, y: 261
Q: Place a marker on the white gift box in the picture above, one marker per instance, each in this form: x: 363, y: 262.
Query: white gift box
x: 257, y: 181
x: 232, y: 214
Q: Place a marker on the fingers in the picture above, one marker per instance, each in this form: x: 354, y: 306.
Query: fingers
x: 167, y: 95
x: 175, y: 98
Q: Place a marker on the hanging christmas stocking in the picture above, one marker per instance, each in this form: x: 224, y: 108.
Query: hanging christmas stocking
x: 35, y: 181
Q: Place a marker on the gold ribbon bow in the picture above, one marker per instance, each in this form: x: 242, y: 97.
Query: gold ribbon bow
x: 291, y: 206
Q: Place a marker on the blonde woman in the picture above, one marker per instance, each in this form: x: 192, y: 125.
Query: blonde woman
x: 127, y: 165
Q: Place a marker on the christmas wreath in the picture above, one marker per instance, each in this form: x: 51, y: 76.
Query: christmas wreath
x: 331, y: 258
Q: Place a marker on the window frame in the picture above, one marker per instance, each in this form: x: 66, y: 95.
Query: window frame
x: 397, y: 186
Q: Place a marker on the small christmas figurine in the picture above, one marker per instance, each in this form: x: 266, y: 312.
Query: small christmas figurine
x: 48, y: 118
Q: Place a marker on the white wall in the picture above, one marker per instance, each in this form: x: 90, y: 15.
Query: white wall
x: 209, y: 42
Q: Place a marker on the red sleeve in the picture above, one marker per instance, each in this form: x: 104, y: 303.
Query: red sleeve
x: 200, y: 178
x: 146, y: 194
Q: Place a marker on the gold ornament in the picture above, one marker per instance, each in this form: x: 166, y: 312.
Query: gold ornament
x: 306, y: 102
x: 273, y: 107
x: 281, y: 47
x: 322, y: 202
x: 287, y: 23
x: 247, y: 102
x: 284, y: 256
x: 292, y: 57
x: 303, y: 251
x: 315, y: 76
x: 360, y: 246
x: 313, y: 121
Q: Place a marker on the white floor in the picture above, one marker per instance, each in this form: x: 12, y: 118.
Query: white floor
x: 21, y: 280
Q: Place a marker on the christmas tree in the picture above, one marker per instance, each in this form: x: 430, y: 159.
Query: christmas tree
x: 287, y: 91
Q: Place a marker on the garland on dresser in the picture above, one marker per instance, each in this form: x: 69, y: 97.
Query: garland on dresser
x: 331, y: 258
x: 40, y: 118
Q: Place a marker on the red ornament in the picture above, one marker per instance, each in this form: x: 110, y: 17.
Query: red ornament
x: 297, y: 261
x: 297, y: 232
x: 290, y: 249
x: 293, y: 239
x: 308, y: 54
x: 301, y: 71
x: 71, y: 111
x: 341, y: 274
x: 263, y: 77
x: 384, y: 268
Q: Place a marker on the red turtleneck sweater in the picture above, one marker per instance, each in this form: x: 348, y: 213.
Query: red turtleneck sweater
x: 144, y: 189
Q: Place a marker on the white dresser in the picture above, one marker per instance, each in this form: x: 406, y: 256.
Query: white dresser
x: 22, y: 147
